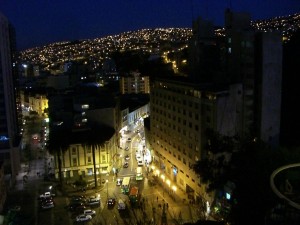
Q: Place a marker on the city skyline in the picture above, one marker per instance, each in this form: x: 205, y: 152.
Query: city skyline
x: 40, y: 23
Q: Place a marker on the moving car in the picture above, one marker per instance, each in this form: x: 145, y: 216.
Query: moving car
x: 127, y: 157
x: 83, y: 218
x: 125, y: 165
x: 111, y: 202
x: 119, y: 182
x: 127, y: 148
x: 140, y: 163
x: 138, y: 157
x: 121, y: 205
x: 129, y: 139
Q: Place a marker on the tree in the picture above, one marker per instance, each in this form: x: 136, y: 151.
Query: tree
x: 57, y: 144
x: 93, y: 140
x: 93, y: 136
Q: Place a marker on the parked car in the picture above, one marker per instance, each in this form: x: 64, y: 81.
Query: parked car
x: 125, y: 165
x: 74, y: 206
x: 140, y: 163
x: 127, y: 148
x: 93, y: 201
x: 129, y: 139
x: 89, y: 212
x: 80, y: 208
x: 78, y: 198
x: 46, y: 200
x: 127, y: 157
x: 83, y: 218
x: 15, y: 208
x: 47, y: 205
x: 47, y: 194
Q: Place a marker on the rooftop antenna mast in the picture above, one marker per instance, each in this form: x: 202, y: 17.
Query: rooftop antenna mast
x: 192, y: 8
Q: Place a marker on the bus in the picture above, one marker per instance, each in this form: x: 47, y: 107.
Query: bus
x: 125, y: 185
x: 134, y: 195
x: 139, y: 173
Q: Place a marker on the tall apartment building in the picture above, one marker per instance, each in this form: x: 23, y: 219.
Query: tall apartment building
x: 244, y: 56
x: 135, y: 83
x: 3, y: 188
x: 181, y: 112
x: 254, y: 59
x: 244, y: 100
x: 9, y: 136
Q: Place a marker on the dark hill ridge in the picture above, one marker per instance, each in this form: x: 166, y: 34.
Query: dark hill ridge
x: 145, y: 40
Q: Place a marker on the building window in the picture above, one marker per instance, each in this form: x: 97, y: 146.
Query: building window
x: 74, y: 160
x: 181, y: 181
x: 73, y: 151
x: 103, y: 159
x: 89, y: 160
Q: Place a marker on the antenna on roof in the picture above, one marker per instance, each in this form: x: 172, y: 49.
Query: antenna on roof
x: 192, y: 8
x: 230, y: 5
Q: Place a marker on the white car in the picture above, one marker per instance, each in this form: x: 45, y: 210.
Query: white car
x: 47, y: 194
x: 138, y: 157
x: 83, y: 218
x: 89, y: 212
x: 119, y: 182
x: 48, y: 205
x: 94, y: 200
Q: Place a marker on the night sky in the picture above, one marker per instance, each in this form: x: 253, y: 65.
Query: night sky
x: 40, y: 22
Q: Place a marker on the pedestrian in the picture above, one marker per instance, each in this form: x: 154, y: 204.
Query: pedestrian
x: 167, y: 205
x: 157, y: 198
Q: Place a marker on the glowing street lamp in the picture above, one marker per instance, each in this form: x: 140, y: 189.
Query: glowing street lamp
x: 107, y: 188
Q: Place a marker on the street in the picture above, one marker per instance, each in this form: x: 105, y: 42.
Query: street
x: 157, y: 204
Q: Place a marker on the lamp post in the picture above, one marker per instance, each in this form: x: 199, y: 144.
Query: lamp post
x: 107, y: 189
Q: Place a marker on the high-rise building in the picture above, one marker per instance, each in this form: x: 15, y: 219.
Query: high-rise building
x: 254, y: 59
x: 9, y: 134
x: 250, y: 58
x: 181, y: 113
x: 135, y: 84
x: 240, y: 96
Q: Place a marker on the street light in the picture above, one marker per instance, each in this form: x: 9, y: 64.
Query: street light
x: 107, y: 189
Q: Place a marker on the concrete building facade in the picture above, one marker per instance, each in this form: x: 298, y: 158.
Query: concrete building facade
x: 181, y: 112
x: 135, y: 83
x: 9, y: 135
